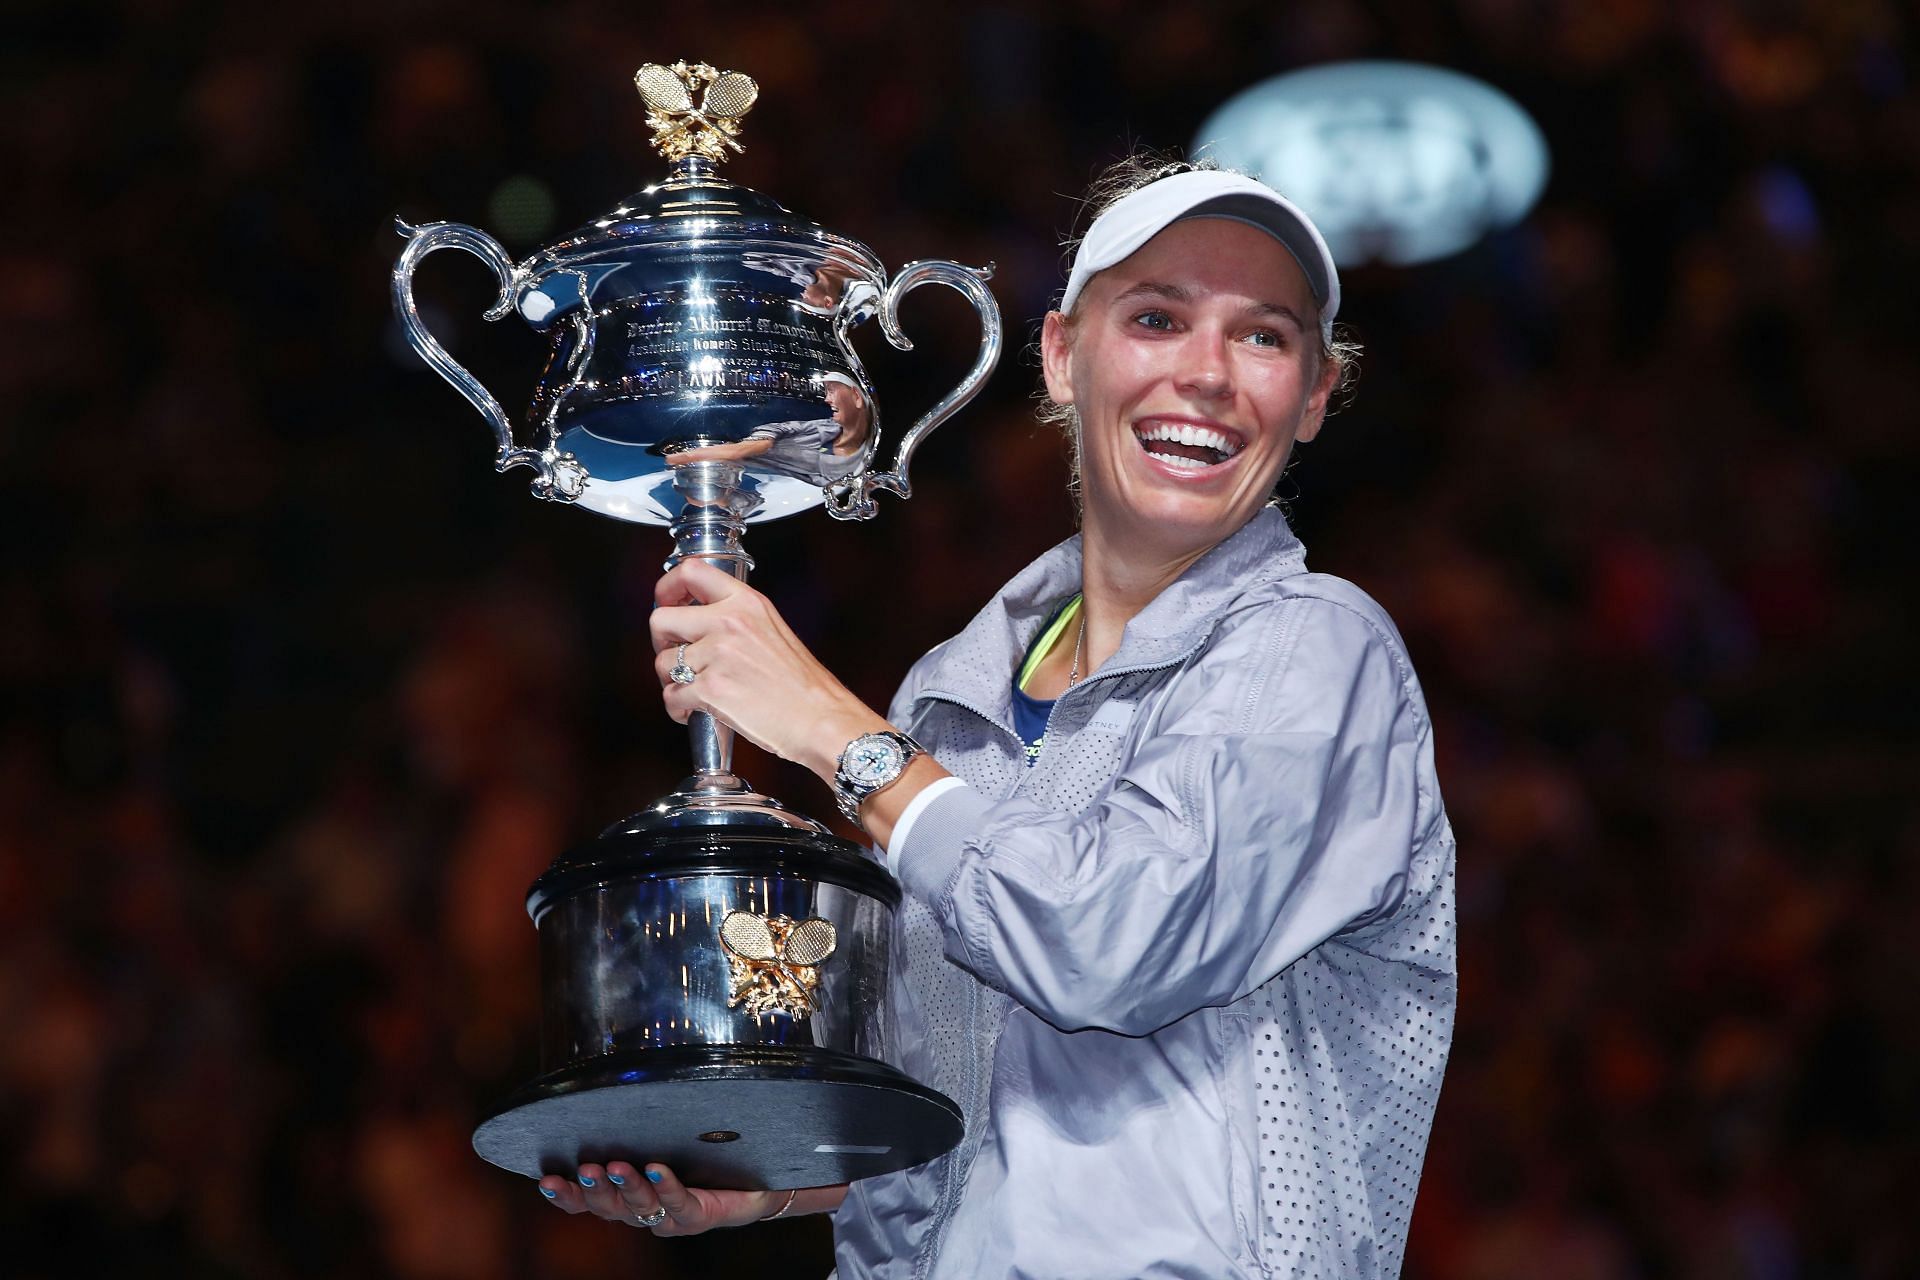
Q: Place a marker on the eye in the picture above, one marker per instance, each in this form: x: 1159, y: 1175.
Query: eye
x: 1266, y: 338
x: 1158, y: 321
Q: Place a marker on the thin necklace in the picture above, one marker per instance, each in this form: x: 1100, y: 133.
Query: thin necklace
x: 1079, y: 638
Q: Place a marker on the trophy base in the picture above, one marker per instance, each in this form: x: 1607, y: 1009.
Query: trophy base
x: 738, y: 1118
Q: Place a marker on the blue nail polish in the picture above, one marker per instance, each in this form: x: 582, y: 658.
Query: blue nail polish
x: 653, y: 1175
x: 585, y: 1181
x: 548, y: 1192
x: 616, y: 1180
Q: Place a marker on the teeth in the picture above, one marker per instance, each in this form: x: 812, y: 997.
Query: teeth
x: 1188, y: 434
x: 1186, y: 464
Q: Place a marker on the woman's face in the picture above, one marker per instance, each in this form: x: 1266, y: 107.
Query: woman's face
x: 1193, y: 366
x: 849, y: 409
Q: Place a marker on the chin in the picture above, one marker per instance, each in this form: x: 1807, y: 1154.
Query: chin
x: 1182, y: 521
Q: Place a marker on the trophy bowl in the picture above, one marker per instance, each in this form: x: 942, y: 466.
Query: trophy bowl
x: 699, y: 320
x: 712, y: 967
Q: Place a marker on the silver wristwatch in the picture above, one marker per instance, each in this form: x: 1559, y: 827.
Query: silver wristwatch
x: 871, y: 762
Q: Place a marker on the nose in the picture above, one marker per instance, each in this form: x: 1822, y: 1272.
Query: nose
x: 1206, y: 368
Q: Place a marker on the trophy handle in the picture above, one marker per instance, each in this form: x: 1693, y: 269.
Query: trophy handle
x: 852, y: 499
x: 559, y: 476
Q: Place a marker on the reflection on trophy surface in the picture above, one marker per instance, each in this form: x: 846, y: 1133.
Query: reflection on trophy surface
x: 820, y: 451
x: 711, y: 966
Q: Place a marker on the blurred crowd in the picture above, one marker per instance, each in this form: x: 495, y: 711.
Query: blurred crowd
x: 299, y: 696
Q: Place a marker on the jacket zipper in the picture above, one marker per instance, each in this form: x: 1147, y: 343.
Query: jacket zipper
x: 935, y: 695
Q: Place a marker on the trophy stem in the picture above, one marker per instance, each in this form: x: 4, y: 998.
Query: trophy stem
x: 713, y: 515
x: 712, y: 750
x: 712, y: 520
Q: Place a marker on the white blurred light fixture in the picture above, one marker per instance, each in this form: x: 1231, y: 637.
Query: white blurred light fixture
x: 1395, y: 161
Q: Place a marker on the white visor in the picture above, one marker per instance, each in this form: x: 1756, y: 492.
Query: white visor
x: 1117, y: 234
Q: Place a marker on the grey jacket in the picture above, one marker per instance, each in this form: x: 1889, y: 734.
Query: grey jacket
x: 1191, y: 977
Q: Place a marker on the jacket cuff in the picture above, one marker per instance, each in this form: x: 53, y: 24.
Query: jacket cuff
x: 929, y: 857
x: 911, y: 814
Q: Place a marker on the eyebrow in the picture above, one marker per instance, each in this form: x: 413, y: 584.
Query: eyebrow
x: 1174, y: 293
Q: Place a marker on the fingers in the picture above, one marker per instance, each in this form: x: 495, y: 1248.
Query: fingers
x: 743, y: 615
x: 739, y: 610
x: 749, y: 669
x: 694, y: 581
x: 672, y: 656
x: 599, y: 1195
x: 683, y: 619
x: 683, y: 1212
x: 563, y: 1194
x: 635, y: 1192
x: 637, y: 1201
x: 604, y: 1196
x: 681, y: 700
x: 675, y: 625
x: 620, y: 1193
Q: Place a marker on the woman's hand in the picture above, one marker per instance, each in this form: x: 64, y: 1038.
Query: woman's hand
x: 751, y: 671
x: 619, y: 1192
x: 737, y: 451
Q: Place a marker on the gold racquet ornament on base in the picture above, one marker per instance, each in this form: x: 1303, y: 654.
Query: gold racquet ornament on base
x: 775, y: 961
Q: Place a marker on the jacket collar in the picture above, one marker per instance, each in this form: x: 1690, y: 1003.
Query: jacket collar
x: 976, y: 667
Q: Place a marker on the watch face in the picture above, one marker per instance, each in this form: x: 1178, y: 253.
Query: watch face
x: 874, y: 760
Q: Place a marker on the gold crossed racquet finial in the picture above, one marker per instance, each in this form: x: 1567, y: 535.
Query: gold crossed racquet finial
x: 680, y: 128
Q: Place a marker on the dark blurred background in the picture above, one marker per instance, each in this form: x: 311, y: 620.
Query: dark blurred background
x: 299, y: 695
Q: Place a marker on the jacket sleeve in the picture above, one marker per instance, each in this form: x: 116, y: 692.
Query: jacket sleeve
x: 1226, y: 848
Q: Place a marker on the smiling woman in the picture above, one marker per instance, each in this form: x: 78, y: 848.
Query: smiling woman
x: 1178, y: 932
x: 1336, y: 346
x: 1192, y: 372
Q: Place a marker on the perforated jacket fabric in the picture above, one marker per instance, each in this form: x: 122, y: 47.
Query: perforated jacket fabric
x: 1191, y: 976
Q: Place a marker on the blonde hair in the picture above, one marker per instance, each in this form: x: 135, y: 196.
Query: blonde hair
x: 1131, y: 173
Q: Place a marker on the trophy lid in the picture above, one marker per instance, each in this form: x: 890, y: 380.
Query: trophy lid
x: 694, y: 209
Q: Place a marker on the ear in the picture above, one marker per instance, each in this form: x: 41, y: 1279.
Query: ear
x: 1056, y: 357
x: 1316, y: 411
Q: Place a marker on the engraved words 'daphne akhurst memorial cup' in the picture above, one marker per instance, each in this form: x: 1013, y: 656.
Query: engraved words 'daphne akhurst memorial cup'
x: 711, y: 967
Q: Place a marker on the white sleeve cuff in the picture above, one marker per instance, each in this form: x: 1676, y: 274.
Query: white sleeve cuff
x: 915, y: 807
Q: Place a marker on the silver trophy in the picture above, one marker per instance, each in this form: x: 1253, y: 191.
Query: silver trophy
x: 711, y: 967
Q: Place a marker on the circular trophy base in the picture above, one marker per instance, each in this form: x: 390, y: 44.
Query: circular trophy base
x: 740, y: 1118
